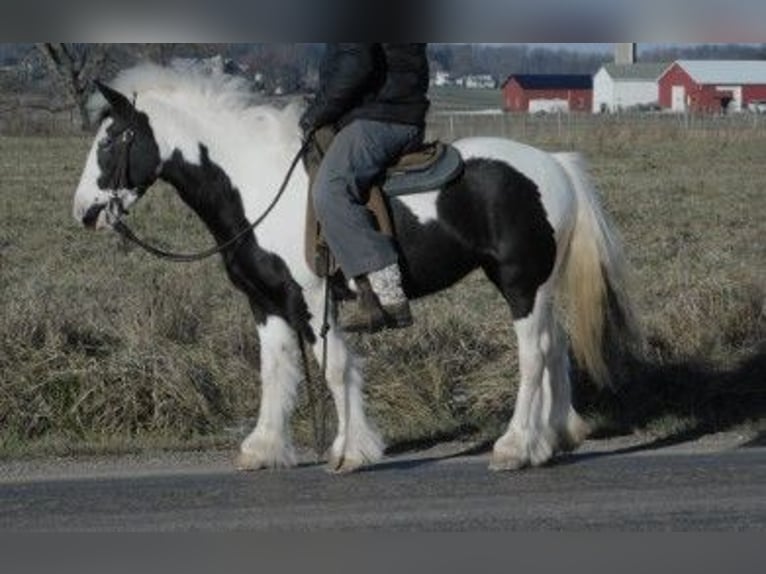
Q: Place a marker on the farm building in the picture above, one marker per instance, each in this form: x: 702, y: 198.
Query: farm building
x: 627, y: 86
x: 535, y: 93
x: 441, y: 79
x: 713, y: 85
x: 477, y: 82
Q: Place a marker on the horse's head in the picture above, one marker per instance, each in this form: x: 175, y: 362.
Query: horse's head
x: 123, y: 162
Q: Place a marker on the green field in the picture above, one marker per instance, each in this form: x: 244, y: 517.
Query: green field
x: 451, y: 98
x: 105, y: 348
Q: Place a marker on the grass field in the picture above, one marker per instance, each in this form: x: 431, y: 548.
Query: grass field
x: 105, y: 348
x: 456, y: 99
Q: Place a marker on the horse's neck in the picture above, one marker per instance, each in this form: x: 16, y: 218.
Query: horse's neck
x: 248, y: 162
x: 208, y: 191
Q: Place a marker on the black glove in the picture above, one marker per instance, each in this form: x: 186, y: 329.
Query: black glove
x: 308, y: 122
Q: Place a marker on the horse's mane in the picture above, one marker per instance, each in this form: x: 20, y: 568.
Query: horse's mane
x: 192, y: 88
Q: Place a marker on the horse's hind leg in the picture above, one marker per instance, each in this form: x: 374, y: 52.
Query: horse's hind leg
x: 357, y: 441
x: 270, y: 444
x: 543, y: 421
x: 570, y: 429
x: 529, y: 440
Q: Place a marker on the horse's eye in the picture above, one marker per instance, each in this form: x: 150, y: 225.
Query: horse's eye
x: 106, y: 143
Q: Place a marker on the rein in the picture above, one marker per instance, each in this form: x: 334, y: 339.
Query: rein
x: 119, y: 225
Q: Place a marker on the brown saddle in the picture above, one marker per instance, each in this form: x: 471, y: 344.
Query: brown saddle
x: 318, y: 255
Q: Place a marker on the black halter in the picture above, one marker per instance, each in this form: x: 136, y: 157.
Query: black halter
x: 121, y: 176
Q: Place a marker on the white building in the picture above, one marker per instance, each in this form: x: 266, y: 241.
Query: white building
x: 441, y: 79
x: 627, y: 86
x: 477, y: 82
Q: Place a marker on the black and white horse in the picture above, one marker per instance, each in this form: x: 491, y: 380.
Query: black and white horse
x: 529, y: 219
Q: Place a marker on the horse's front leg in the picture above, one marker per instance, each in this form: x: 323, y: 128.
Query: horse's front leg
x: 357, y: 442
x: 270, y: 444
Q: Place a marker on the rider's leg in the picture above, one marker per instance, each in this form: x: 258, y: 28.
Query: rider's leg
x: 357, y: 157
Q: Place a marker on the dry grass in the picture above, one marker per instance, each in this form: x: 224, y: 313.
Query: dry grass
x: 102, y: 347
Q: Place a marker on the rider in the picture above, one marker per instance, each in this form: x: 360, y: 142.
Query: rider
x: 374, y: 97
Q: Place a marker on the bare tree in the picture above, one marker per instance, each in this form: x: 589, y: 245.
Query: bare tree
x: 75, y: 66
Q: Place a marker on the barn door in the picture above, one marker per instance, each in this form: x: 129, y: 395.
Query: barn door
x: 679, y: 99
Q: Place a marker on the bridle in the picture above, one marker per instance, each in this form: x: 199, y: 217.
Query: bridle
x: 116, y: 210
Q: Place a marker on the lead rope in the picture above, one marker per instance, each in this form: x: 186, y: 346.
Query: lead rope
x: 317, y: 403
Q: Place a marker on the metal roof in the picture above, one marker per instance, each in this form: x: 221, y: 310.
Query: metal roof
x: 725, y: 71
x: 650, y: 71
x: 553, y: 81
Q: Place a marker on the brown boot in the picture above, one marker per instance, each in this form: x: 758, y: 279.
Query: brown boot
x: 381, y: 303
x: 387, y: 285
x: 365, y: 315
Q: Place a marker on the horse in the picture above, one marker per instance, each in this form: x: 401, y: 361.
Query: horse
x: 531, y: 220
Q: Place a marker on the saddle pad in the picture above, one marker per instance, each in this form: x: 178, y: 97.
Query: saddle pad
x: 419, y: 160
x: 413, y: 175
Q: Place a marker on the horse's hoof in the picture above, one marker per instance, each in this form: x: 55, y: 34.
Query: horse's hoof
x: 343, y: 465
x: 249, y: 463
x: 260, y: 451
x: 509, y: 454
x: 575, y: 433
x: 506, y: 463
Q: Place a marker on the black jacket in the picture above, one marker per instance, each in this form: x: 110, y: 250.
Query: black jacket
x: 384, y: 82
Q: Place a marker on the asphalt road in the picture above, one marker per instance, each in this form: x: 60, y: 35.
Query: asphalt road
x: 654, y: 491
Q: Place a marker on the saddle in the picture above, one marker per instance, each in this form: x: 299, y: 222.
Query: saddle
x: 424, y: 170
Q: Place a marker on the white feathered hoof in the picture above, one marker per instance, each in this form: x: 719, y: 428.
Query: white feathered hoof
x: 258, y: 453
x: 249, y: 462
x: 516, y: 450
x: 506, y: 463
x: 362, y: 446
x: 575, y: 433
x: 343, y: 465
x: 508, y: 454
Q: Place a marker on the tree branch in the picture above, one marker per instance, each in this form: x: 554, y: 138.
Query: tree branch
x: 75, y: 66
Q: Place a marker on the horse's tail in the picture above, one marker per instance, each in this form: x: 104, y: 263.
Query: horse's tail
x: 594, y: 286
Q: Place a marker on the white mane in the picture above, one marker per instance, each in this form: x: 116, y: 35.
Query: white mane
x: 208, y: 95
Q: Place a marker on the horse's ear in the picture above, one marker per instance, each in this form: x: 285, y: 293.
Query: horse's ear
x: 120, y: 105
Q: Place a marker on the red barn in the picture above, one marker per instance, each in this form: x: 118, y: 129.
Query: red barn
x: 548, y: 92
x: 712, y: 85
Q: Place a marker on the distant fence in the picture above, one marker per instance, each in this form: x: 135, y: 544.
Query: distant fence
x: 25, y: 115
x: 566, y: 129
x: 36, y: 117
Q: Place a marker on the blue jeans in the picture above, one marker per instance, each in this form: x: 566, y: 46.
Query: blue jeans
x: 358, y: 156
